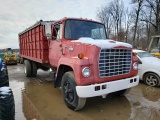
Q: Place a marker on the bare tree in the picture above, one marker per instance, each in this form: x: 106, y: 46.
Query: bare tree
x: 154, y: 5
x: 146, y: 16
x: 137, y: 11
x: 104, y: 16
x: 128, y: 17
x: 132, y: 25
x: 116, y: 9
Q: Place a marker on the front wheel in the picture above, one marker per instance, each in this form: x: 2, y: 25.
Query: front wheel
x: 152, y: 79
x: 68, y: 86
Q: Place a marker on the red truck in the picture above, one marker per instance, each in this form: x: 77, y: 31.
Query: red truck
x: 82, y: 61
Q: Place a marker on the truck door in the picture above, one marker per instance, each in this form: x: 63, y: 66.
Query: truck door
x: 55, y: 49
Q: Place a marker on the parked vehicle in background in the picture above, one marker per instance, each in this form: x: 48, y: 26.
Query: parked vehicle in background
x: 7, y: 106
x: 10, y: 57
x: 82, y: 61
x: 148, y: 68
x: 154, y: 46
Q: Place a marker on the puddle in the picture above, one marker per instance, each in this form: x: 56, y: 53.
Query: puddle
x: 49, y: 103
x: 145, y: 103
x: 16, y: 88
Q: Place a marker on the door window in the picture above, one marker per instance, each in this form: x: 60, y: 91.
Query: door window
x: 57, y: 33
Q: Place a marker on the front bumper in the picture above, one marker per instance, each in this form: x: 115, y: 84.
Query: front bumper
x: 107, y: 87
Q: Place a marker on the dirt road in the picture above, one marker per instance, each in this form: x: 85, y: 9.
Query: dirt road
x: 37, y: 98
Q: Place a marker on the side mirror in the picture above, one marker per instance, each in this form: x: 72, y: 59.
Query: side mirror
x: 48, y: 30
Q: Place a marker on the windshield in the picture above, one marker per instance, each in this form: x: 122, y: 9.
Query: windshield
x: 75, y: 29
x: 9, y: 52
x: 144, y: 54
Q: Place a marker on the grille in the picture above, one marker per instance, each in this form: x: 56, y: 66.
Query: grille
x: 114, y: 62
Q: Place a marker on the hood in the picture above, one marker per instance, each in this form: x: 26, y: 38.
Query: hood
x: 103, y: 43
x: 151, y: 60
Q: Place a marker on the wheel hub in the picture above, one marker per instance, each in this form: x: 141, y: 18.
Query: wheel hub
x: 151, y: 80
x: 68, y: 91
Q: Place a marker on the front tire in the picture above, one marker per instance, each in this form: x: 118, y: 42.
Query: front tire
x: 152, y: 79
x: 68, y: 86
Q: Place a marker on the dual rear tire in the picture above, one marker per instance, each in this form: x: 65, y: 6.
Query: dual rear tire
x: 30, y: 68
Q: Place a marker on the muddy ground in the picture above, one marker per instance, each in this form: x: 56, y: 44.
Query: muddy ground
x: 36, y: 97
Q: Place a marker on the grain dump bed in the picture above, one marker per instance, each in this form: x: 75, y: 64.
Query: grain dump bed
x: 33, y: 42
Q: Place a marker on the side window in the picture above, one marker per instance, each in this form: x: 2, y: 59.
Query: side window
x: 57, y: 33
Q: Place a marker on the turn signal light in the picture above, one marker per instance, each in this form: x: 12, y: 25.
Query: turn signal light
x: 134, y: 54
x: 81, y: 56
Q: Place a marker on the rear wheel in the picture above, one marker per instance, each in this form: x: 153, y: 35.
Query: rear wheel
x: 27, y: 68
x: 68, y: 86
x: 34, y: 69
x: 152, y: 79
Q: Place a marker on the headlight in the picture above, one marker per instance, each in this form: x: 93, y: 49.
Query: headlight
x: 135, y: 66
x: 86, y: 72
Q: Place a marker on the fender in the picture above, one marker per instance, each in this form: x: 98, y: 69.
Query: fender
x: 77, y: 65
x: 149, y: 70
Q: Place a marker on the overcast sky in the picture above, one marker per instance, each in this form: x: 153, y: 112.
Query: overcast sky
x: 16, y: 15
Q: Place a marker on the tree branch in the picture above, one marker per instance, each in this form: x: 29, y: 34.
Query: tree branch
x: 149, y: 22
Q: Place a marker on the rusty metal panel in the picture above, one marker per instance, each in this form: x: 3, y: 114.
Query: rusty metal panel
x: 34, y: 44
